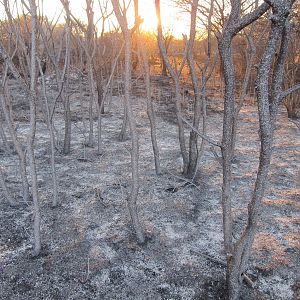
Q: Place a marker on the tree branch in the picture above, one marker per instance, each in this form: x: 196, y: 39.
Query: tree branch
x: 289, y: 91
x: 206, y: 138
x: 251, y: 17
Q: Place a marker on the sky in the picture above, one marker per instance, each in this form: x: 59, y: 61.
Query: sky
x: 172, y: 19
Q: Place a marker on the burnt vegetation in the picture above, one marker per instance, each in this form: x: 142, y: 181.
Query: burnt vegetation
x: 140, y: 165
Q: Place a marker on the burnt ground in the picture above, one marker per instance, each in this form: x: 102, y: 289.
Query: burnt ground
x: 89, y: 250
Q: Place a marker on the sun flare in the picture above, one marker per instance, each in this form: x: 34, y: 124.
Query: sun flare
x: 172, y: 20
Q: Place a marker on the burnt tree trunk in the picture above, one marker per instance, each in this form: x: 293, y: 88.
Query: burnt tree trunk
x: 132, y: 199
x: 269, y: 95
x: 31, y: 136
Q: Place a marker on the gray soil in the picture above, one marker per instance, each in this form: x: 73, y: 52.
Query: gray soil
x: 89, y: 249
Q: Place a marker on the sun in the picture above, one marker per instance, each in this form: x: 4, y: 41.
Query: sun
x: 172, y: 20
x: 149, y: 18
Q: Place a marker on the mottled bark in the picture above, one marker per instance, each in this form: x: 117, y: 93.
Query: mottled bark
x: 31, y: 135
x: 229, y: 98
x: 268, y: 94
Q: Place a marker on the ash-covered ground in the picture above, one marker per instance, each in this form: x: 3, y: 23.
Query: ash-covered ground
x: 89, y: 249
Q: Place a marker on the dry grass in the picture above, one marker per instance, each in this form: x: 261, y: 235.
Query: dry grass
x: 282, y: 202
x: 267, y: 245
x: 293, y: 240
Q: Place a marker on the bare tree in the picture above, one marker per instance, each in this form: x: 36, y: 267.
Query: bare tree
x: 269, y: 95
x: 49, y: 120
x: 122, y: 19
x: 100, y: 61
x: 175, y: 77
x: 30, y: 89
x: 229, y: 31
x: 199, y: 86
x: 89, y: 46
x: 31, y: 136
x: 6, y: 99
x: 150, y: 108
x: 65, y: 92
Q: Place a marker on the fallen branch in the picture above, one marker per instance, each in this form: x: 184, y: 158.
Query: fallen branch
x: 186, y: 180
x: 213, y: 259
x: 247, y: 280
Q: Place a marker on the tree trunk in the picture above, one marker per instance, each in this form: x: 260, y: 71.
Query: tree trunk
x: 49, y: 121
x: 122, y: 135
x: 65, y: 93
x: 100, y: 110
x: 193, y: 141
x: 68, y: 124
x: 268, y: 95
x: 91, y: 103
x: 31, y: 136
x: 99, y: 82
x: 132, y: 125
x: 151, y: 112
x: 229, y: 100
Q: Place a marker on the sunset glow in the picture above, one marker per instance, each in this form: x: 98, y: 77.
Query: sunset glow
x: 173, y: 19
